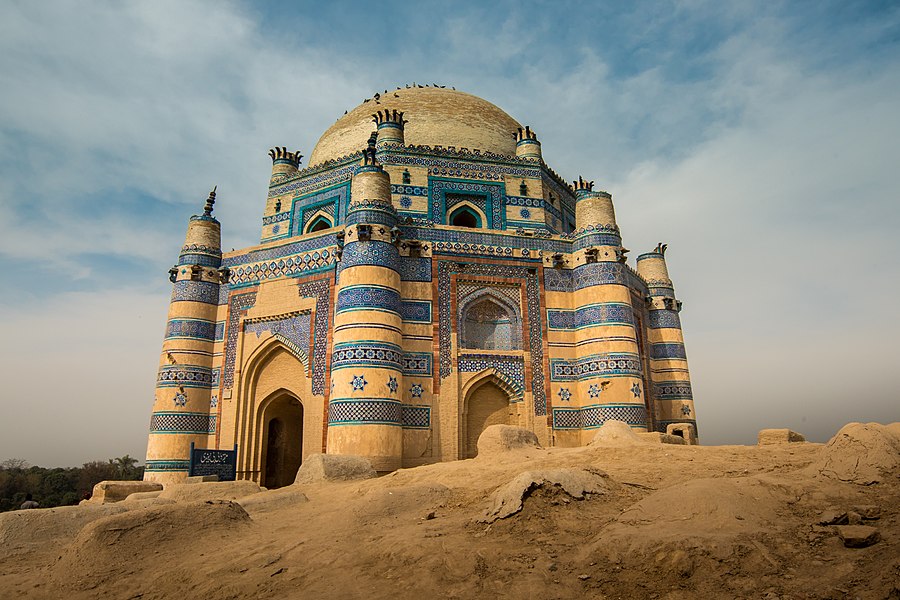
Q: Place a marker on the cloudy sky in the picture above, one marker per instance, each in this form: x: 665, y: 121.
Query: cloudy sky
x: 759, y: 140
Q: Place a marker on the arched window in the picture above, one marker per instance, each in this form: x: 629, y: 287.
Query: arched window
x: 464, y: 217
x: 318, y: 224
x: 488, y: 324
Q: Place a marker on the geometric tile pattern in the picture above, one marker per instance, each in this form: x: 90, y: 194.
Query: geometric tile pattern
x: 415, y: 269
x: 365, y: 411
x: 409, y: 190
x: 364, y: 353
x: 605, y: 364
x: 290, y: 266
x: 319, y: 242
x: 416, y: 311
x: 599, y: 273
x: 591, y: 417
x: 558, y: 280
x: 483, y: 241
x: 417, y: 364
x: 186, y: 290
x: 511, y: 366
x: 317, y: 178
x: 295, y: 329
x: 667, y: 350
x: 415, y: 417
x: 368, y: 297
x: 374, y: 252
x: 191, y: 328
x: 673, y: 390
x: 320, y: 290
x: 184, y: 375
x: 591, y: 316
x: 237, y: 306
x: 664, y: 318
x: 195, y: 423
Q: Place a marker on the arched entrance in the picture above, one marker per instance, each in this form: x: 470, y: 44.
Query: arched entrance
x: 282, y: 440
x: 486, y: 405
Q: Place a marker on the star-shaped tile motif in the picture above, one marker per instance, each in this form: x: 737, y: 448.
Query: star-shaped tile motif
x: 636, y: 390
x: 359, y: 382
x: 594, y: 390
x: 214, y: 401
x: 392, y: 384
x: 180, y: 399
x: 685, y: 410
x: 416, y: 390
x: 565, y: 394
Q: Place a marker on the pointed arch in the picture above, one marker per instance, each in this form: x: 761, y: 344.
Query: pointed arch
x: 320, y: 221
x: 274, y: 384
x: 488, y: 320
x: 499, y: 379
x: 486, y: 402
x: 466, y: 214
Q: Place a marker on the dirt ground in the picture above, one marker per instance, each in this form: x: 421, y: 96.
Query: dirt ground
x: 620, y: 519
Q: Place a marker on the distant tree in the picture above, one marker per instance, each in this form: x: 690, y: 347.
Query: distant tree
x: 14, y: 464
x: 59, y: 486
x: 125, y: 467
x: 93, y: 473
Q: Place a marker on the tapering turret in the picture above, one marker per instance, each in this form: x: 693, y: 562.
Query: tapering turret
x: 365, y: 409
x: 610, y: 383
x: 390, y: 125
x: 527, y: 144
x: 285, y: 164
x: 668, y: 359
x: 181, y: 409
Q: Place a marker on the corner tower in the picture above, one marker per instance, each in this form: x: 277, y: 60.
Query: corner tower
x: 668, y: 360
x: 608, y: 369
x: 364, y: 411
x: 181, y: 408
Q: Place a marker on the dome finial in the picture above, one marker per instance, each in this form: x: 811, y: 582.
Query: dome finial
x: 207, y: 210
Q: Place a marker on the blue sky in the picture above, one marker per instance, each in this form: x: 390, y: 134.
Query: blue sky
x: 759, y: 140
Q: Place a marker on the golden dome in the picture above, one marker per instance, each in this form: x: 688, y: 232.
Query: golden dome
x: 436, y: 117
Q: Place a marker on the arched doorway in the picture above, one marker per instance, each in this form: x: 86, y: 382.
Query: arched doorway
x: 486, y: 405
x: 283, y: 441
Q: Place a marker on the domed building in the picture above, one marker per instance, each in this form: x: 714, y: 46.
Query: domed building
x: 426, y: 276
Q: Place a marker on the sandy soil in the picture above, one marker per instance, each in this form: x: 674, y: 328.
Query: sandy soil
x: 612, y: 520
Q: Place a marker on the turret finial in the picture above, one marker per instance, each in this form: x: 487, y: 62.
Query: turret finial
x: 582, y: 185
x: 369, y: 150
x: 207, y: 210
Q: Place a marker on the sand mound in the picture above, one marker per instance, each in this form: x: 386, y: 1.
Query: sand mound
x: 212, y: 490
x: 23, y: 527
x: 334, y: 467
x: 694, y: 526
x: 862, y: 453
x: 273, y: 500
x: 509, y: 499
x: 498, y: 439
x: 124, y: 544
x: 416, y: 499
x: 616, y: 433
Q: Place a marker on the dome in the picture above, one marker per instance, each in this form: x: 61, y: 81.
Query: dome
x: 436, y: 117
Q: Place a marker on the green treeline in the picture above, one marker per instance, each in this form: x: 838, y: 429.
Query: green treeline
x: 59, y: 486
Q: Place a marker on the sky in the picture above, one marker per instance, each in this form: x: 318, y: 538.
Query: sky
x: 759, y: 140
